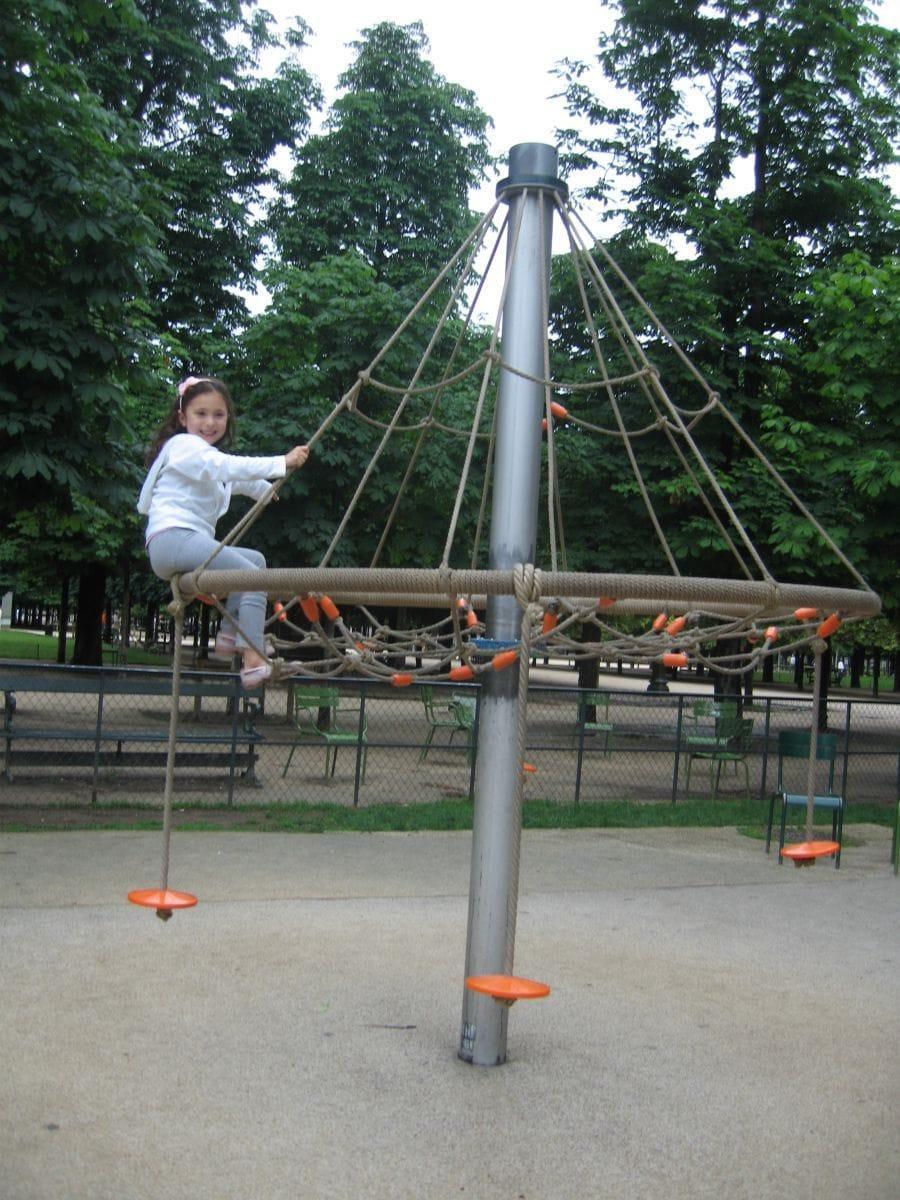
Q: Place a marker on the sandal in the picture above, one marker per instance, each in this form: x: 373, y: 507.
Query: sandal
x: 254, y: 677
x: 269, y: 672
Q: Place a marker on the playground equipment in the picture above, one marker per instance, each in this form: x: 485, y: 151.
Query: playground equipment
x: 729, y: 623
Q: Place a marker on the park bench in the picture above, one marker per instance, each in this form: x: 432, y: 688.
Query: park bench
x: 100, y: 736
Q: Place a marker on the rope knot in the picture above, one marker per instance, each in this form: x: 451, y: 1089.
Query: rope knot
x: 527, y: 584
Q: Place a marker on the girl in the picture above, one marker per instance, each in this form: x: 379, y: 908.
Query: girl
x: 188, y: 487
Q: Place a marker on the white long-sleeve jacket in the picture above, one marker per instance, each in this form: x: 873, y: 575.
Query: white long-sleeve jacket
x: 190, y: 484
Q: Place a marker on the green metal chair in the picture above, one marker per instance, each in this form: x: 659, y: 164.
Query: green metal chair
x: 731, y: 745
x: 315, y: 716
x: 601, y: 724
x: 794, y: 744
x: 457, y: 714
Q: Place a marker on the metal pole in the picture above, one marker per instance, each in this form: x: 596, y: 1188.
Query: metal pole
x: 497, y: 824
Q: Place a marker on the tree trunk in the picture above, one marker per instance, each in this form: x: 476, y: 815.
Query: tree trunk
x: 857, y: 665
x: 125, y: 618
x: 63, y: 620
x: 88, y: 650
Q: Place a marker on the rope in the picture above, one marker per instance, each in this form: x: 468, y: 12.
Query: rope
x: 176, y: 608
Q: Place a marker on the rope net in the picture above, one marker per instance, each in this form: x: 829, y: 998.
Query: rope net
x: 634, y: 408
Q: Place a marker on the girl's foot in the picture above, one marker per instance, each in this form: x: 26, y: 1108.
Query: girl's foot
x: 224, y: 647
x: 267, y: 672
x: 254, y: 677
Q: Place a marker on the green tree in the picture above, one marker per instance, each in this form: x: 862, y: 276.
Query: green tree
x: 391, y: 175
x: 759, y: 134
x: 77, y: 250
x: 186, y: 73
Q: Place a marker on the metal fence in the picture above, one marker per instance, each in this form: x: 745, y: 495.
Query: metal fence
x: 75, y: 733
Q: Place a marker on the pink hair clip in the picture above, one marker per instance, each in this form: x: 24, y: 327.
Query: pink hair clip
x: 188, y: 383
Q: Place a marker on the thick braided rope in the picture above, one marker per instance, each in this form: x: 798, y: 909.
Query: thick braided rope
x: 176, y: 608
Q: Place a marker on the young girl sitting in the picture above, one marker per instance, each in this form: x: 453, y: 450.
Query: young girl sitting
x: 188, y: 487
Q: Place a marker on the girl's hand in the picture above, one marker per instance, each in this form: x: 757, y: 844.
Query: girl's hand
x: 297, y: 457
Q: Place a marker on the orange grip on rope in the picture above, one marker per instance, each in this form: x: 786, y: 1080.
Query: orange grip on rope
x: 279, y: 611
x: 461, y: 674
x: 675, y: 660
x: 329, y: 608
x: 660, y: 621
x: 462, y: 604
x: 806, y: 614
x: 772, y: 633
x: 829, y: 626
x: 558, y: 410
x: 310, y: 609
x: 543, y: 425
x: 605, y: 602
x: 504, y: 659
x: 205, y: 599
x: 550, y: 621
x: 471, y: 618
x: 529, y: 768
x: 676, y: 626
x: 401, y: 680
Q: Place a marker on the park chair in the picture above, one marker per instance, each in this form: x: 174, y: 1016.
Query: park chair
x: 700, y: 723
x: 316, y: 716
x: 731, y: 745
x: 794, y: 744
x: 440, y: 714
x: 601, y: 724
x: 456, y: 714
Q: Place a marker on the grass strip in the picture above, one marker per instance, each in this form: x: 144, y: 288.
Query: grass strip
x: 444, y: 815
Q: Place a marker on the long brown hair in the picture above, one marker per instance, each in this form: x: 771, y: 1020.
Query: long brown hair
x: 187, y: 391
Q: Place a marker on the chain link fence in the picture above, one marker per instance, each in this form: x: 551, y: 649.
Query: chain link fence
x: 79, y: 734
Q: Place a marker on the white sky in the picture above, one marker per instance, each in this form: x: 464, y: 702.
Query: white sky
x: 499, y: 51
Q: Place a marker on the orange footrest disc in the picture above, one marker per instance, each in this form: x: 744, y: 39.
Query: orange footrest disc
x: 507, y: 988
x: 804, y: 854
x: 163, y: 900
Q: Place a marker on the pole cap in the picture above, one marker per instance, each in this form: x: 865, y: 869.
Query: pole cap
x: 535, y: 165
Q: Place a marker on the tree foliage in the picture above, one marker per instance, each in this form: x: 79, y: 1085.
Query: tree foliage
x: 390, y: 177
x: 747, y: 163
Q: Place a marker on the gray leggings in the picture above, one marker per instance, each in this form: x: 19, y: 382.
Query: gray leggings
x: 178, y: 550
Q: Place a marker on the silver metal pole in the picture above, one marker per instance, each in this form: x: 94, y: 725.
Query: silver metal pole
x: 493, y: 887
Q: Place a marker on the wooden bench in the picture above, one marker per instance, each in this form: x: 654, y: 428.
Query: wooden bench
x: 100, y: 743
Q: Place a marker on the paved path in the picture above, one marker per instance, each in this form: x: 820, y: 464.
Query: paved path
x: 718, y: 1027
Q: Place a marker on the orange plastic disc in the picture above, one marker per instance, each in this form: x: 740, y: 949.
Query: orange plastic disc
x: 803, y: 854
x: 329, y: 608
x: 507, y: 988
x: 829, y: 626
x: 310, y: 609
x: 163, y: 900
x: 675, y: 660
